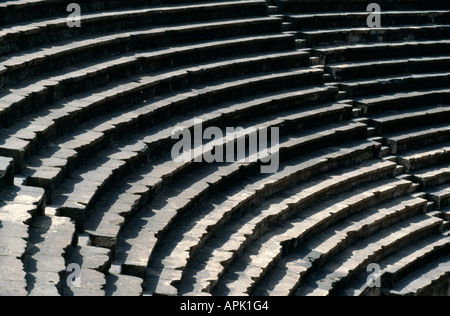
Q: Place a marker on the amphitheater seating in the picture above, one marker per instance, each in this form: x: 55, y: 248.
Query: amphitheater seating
x: 246, y: 197
x: 397, y: 267
x: 6, y: 171
x: 49, y: 239
x: 86, y: 174
x: 332, y: 275
x: 294, y: 232
x: 18, y: 206
x: 317, y: 251
x: 430, y: 280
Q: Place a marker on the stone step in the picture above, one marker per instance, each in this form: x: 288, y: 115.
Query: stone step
x: 132, y: 199
x: 432, y: 279
x: 322, y: 247
x: 332, y: 20
x: 116, y: 162
x: 364, y: 34
x: 137, y: 92
x: 432, y: 176
x: 19, y: 197
x: 302, y: 6
x: 394, y: 84
x: 52, y: 87
x: 136, y: 259
x: 371, y: 69
x: 383, y: 68
x: 329, y: 242
x: 6, y: 171
x: 212, y: 216
x: 403, y: 100
x: 19, y: 206
x: 50, y: 239
x: 354, y: 201
x: 373, y: 51
x: 418, y: 137
x: 401, y: 264
x: 123, y: 285
x: 35, y: 33
x: 424, y: 157
x: 175, y: 78
x: 153, y: 221
x: 333, y: 276
x: 25, y: 10
x: 57, y: 56
x: 440, y: 195
x: 446, y: 213
x: 94, y: 263
x: 400, y: 120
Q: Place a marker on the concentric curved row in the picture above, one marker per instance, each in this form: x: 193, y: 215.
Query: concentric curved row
x: 88, y: 115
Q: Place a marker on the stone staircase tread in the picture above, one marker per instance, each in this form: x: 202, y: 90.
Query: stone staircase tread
x: 172, y: 212
x: 330, y: 239
x: 50, y: 238
x: 402, y: 263
x: 207, y: 225
x: 376, y: 246
x: 418, y: 282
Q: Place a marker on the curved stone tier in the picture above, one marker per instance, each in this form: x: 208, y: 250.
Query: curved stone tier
x: 89, y: 186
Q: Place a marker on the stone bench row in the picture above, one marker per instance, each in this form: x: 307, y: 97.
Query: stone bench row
x: 262, y: 255
x: 396, y: 83
x: 75, y: 197
x: 167, y: 165
x: 402, y: 265
x: 37, y: 33
x: 403, y: 100
x: 359, y: 19
x: 94, y: 267
x: 274, y: 213
x: 16, y: 11
x: 136, y: 259
x: 6, y: 172
x: 333, y: 276
x: 297, y: 6
x: 215, y: 215
x: 380, y: 68
x: 320, y: 249
x: 50, y: 238
x: 430, y: 280
x: 51, y: 88
x: 23, y: 139
x: 418, y: 137
x: 402, y: 120
x: 424, y: 157
x: 61, y: 55
x: 94, y: 264
x: 440, y: 195
x: 373, y: 51
x: 18, y: 207
x: 55, y: 163
x: 433, y: 176
x: 364, y: 34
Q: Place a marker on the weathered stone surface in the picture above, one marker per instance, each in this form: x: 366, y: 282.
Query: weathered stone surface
x: 122, y: 285
x: 87, y: 115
